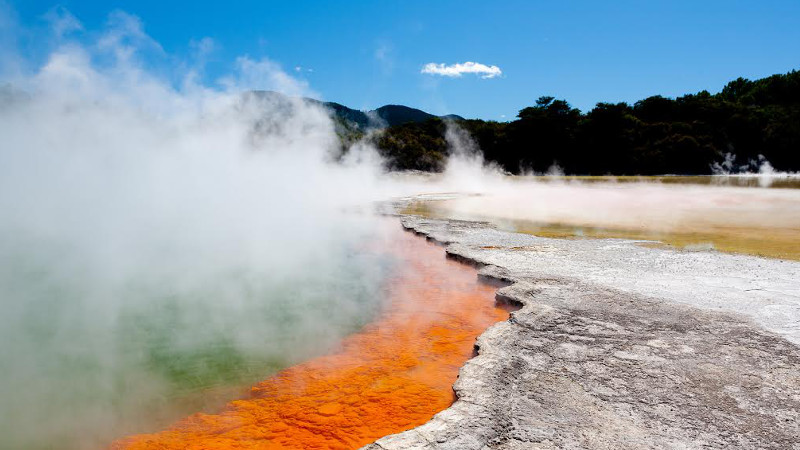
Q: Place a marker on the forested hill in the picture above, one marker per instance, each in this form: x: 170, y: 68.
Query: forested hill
x: 732, y: 130
x: 388, y: 115
x: 354, y: 119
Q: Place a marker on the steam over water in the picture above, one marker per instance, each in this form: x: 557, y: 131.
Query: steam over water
x: 157, y: 242
x: 392, y: 375
x: 165, y: 243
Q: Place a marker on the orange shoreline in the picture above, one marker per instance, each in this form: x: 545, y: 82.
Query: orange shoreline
x: 393, y: 375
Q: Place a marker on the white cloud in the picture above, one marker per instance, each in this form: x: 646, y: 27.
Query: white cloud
x: 458, y: 69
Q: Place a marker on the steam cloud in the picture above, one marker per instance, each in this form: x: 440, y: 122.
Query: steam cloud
x: 159, y: 236
x: 158, y: 240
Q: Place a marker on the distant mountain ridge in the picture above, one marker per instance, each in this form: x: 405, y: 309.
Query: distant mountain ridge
x: 385, y: 116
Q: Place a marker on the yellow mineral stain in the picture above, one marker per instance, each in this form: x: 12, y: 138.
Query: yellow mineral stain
x: 682, y: 212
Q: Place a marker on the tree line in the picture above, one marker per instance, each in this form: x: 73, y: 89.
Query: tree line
x: 746, y: 122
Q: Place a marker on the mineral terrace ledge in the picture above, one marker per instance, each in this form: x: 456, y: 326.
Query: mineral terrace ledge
x: 591, y: 361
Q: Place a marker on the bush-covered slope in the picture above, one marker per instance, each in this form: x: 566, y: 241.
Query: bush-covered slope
x: 737, y: 129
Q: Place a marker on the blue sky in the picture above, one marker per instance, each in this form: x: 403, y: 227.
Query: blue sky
x: 365, y: 54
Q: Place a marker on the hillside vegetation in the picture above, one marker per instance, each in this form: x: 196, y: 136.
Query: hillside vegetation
x: 746, y: 123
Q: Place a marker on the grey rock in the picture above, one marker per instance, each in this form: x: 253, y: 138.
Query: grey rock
x: 596, y: 360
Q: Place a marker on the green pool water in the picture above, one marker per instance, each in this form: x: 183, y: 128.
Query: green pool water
x: 86, y: 357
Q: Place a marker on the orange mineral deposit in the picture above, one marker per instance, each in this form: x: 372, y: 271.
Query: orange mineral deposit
x: 393, y: 375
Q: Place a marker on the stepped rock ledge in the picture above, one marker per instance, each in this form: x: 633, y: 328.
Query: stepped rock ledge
x: 619, y: 346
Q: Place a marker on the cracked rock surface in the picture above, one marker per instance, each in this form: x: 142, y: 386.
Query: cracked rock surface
x: 609, y: 356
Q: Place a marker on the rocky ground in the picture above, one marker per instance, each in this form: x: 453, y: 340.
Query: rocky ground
x: 621, y: 346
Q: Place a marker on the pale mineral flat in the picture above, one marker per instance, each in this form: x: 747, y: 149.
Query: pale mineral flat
x: 621, y: 346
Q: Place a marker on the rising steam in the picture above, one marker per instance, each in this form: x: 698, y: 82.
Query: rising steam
x: 159, y: 237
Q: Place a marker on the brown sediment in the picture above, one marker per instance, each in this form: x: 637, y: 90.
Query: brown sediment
x: 392, y: 376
